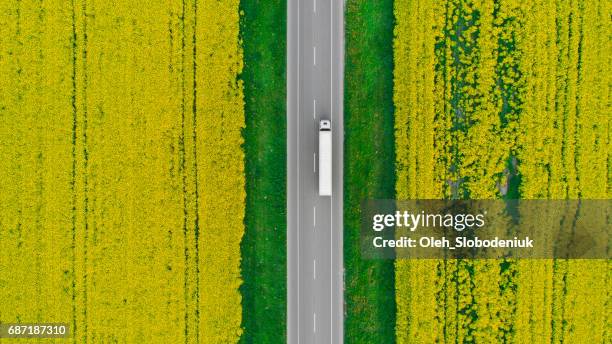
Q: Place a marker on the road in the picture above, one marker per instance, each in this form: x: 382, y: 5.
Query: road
x: 315, y: 69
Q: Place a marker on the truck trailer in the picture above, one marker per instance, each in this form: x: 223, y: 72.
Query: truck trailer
x: 325, y: 158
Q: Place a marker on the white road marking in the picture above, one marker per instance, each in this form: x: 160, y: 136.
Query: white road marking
x: 314, y: 322
x: 331, y: 203
x: 314, y: 162
x: 314, y: 269
x: 314, y: 8
x: 314, y: 55
x: 314, y: 108
x: 298, y: 174
x: 314, y: 217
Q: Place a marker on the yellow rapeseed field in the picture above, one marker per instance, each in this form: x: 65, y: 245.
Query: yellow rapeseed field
x: 502, y: 99
x: 121, y: 168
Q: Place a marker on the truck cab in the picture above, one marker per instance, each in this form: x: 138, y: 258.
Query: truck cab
x: 325, y: 125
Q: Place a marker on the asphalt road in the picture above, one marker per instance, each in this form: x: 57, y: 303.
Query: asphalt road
x: 315, y: 68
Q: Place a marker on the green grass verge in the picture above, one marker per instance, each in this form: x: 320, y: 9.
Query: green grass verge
x: 369, y: 165
x: 264, y: 244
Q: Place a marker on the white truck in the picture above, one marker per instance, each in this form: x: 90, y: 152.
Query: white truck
x: 325, y: 158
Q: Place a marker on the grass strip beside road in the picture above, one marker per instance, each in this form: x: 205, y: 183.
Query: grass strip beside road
x: 264, y: 244
x: 369, y: 170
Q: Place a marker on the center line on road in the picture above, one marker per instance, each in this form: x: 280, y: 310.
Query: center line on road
x: 314, y: 269
x: 314, y: 55
x: 314, y: 6
x: 314, y: 108
x: 314, y: 162
x: 314, y: 217
x: 314, y: 322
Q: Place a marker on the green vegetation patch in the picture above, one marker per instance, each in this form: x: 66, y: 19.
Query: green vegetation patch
x: 369, y: 170
x: 264, y: 244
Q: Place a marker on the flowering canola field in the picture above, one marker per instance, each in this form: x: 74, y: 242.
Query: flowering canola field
x: 502, y: 99
x: 121, y: 168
